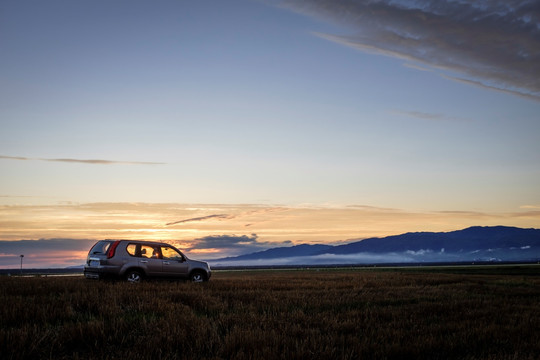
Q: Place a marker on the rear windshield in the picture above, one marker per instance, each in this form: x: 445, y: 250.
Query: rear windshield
x: 101, y: 247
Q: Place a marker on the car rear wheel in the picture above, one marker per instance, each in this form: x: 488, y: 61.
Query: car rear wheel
x: 197, y: 276
x: 134, y: 276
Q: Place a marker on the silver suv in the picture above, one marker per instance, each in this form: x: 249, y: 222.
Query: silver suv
x: 134, y: 260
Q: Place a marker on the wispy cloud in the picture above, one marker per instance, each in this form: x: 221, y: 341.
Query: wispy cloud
x: 424, y: 115
x: 221, y: 217
x: 491, y: 87
x: 201, y: 218
x: 16, y: 196
x: 494, y: 44
x: 535, y: 207
x: 417, y: 67
x: 82, y: 161
x: 419, y: 115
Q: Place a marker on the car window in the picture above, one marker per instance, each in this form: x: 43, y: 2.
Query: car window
x: 100, y: 247
x: 170, y: 253
x: 149, y: 251
x: 132, y: 249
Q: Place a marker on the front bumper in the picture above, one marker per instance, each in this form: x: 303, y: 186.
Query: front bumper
x: 91, y: 275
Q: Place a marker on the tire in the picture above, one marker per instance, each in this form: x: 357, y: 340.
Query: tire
x: 134, y: 276
x: 197, y: 276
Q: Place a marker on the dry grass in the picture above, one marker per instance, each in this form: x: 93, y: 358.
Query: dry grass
x: 346, y: 314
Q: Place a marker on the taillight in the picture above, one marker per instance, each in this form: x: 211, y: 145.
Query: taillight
x: 112, y: 249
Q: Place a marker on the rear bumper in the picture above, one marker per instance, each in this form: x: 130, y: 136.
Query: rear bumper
x: 101, y: 272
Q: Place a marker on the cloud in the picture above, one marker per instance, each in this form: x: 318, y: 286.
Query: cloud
x: 233, y: 245
x: 417, y: 67
x: 225, y: 241
x: 35, y: 246
x: 495, y: 88
x: 44, y: 252
x: 201, y: 218
x: 494, y: 44
x: 81, y: 161
x: 17, y: 196
x: 249, y: 213
x: 535, y: 207
x: 423, y: 115
x: 14, y: 157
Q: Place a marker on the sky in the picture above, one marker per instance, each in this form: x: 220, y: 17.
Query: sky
x: 227, y: 127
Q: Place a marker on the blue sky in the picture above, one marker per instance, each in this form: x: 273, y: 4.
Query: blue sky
x: 417, y: 106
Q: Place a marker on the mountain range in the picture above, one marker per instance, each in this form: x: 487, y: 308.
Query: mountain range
x: 497, y: 243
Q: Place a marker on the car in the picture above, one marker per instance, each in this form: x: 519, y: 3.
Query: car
x: 135, y: 260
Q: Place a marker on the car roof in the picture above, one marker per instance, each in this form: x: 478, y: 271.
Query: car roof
x: 143, y: 242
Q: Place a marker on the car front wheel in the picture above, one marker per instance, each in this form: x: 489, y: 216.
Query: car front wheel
x: 134, y: 276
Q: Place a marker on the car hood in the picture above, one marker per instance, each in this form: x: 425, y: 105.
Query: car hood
x: 203, y: 264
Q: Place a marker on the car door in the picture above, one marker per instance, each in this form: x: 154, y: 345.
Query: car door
x: 174, y: 263
x: 150, y: 260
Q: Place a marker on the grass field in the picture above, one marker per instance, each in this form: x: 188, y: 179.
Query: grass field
x: 297, y: 314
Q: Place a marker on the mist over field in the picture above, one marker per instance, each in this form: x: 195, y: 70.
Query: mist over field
x: 422, y: 256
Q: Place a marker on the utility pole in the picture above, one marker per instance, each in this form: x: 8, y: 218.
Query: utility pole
x: 21, y: 263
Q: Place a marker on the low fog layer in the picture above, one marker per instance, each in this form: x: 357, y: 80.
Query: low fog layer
x: 427, y: 256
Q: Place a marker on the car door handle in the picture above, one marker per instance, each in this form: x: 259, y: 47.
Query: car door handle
x: 144, y: 261
x: 165, y: 263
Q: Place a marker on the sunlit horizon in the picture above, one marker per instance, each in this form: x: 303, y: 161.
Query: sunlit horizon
x: 211, y: 231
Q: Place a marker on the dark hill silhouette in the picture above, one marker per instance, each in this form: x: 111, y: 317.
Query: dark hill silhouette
x: 470, y: 239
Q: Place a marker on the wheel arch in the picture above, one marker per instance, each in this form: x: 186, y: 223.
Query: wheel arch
x: 132, y: 268
x: 199, y: 270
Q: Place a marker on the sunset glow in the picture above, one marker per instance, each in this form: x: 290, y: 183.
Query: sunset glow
x: 215, y: 231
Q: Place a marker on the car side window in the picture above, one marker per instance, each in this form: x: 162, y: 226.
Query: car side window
x: 170, y: 254
x: 145, y: 251
x: 132, y: 249
x: 156, y: 253
x: 149, y: 251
